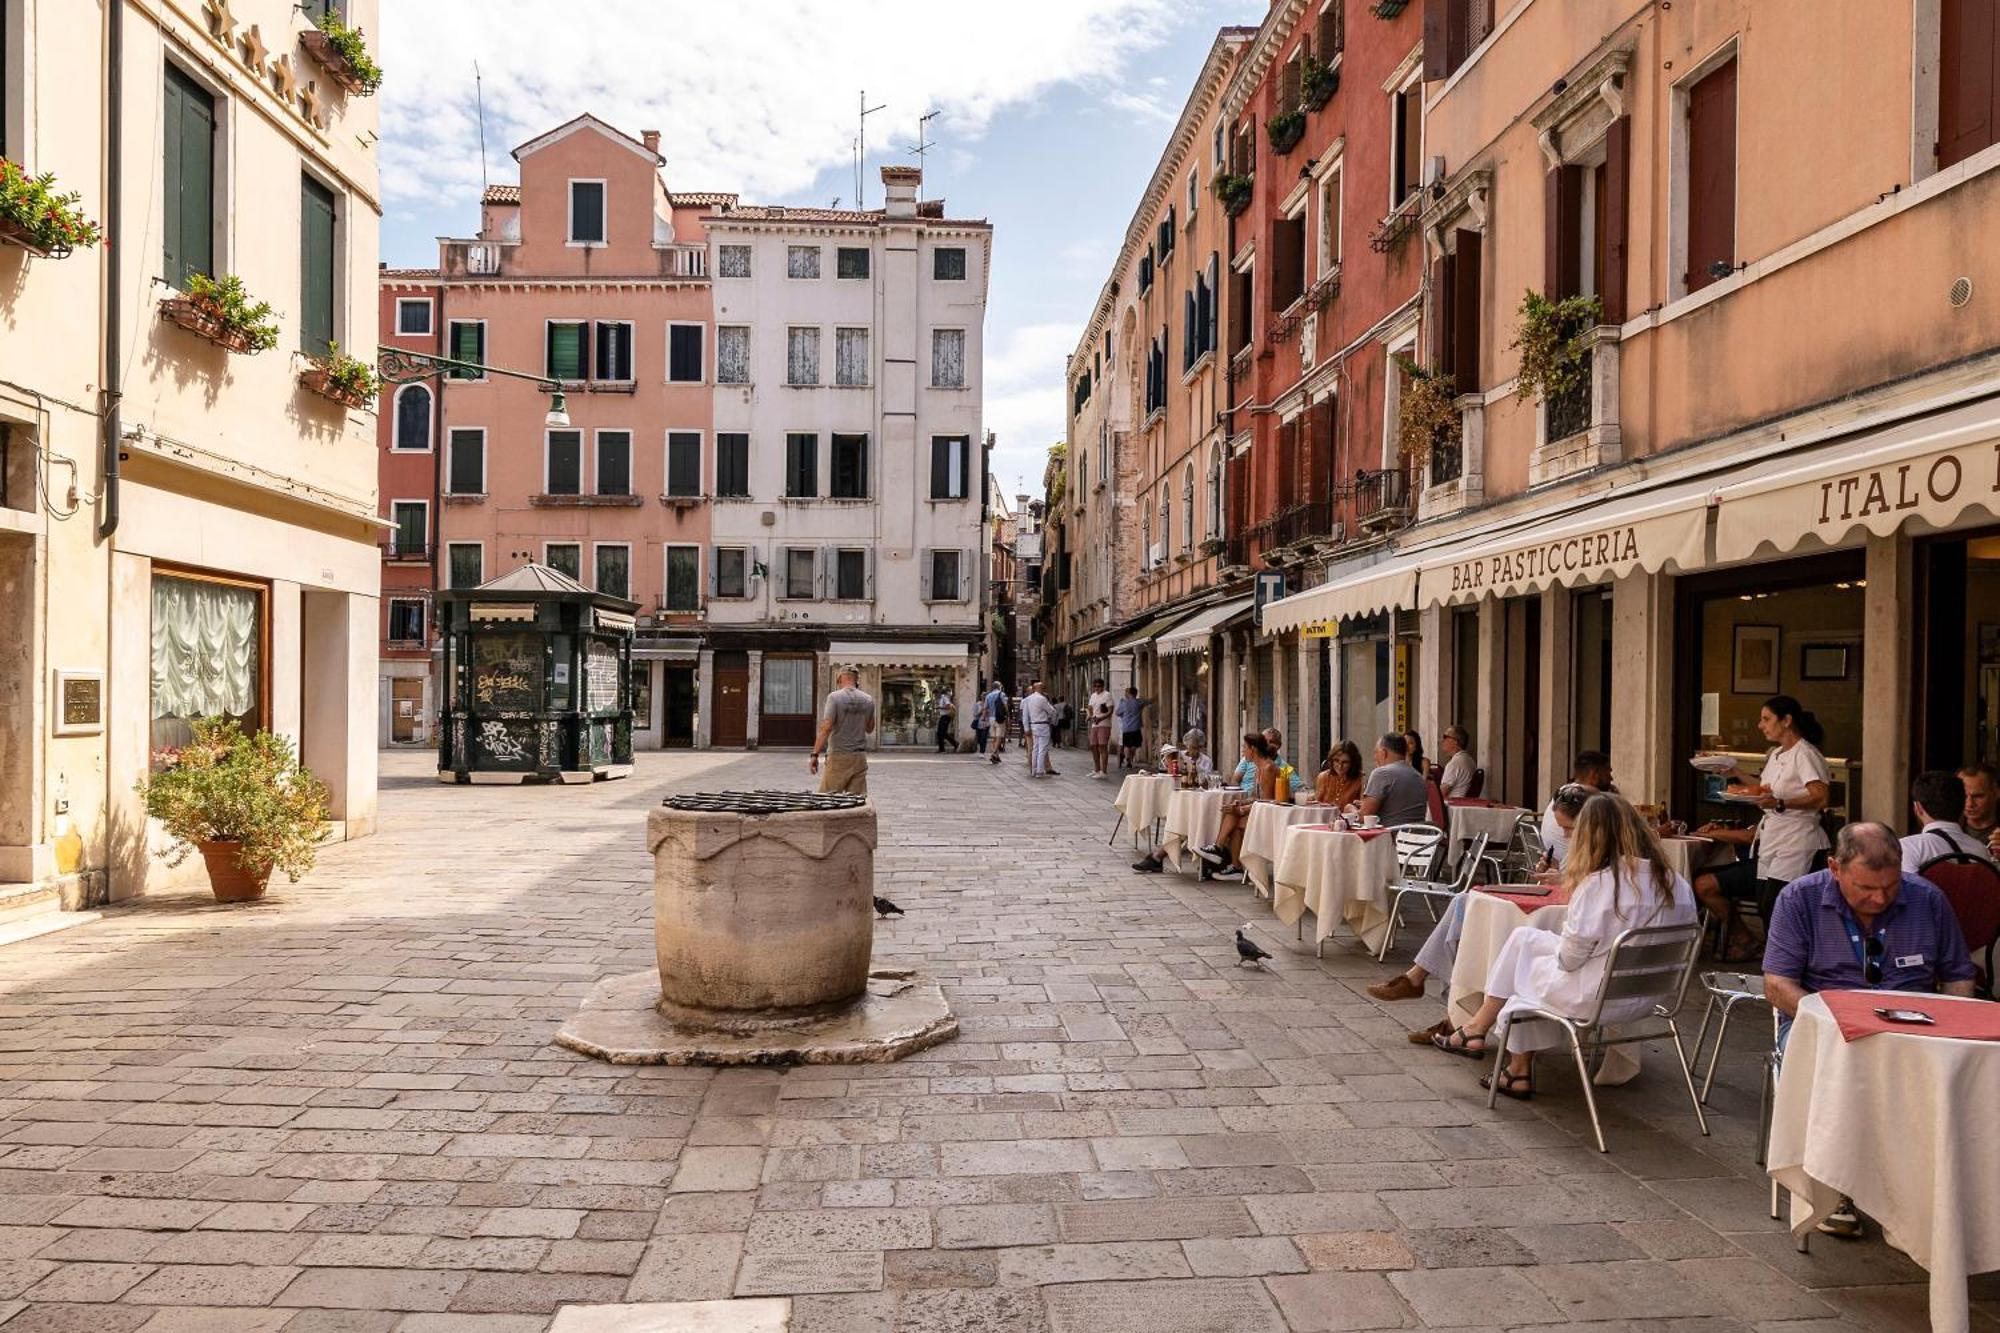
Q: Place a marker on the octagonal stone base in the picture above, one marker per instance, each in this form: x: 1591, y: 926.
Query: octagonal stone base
x: 621, y: 1021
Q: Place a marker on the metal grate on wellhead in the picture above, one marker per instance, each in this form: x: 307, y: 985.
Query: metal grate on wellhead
x: 763, y: 802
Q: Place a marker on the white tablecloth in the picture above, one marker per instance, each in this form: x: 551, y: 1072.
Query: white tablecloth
x: 1903, y: 1126
x: 1142, y: 798
x: 1268, y: 821
x: 1338, y: 877
x: 1193, y: 820
x: 1495, y: 821
x: 1690, y: 856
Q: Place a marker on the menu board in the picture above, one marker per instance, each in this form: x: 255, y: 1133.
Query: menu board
x: 507, y: 672
x: 600, y: 682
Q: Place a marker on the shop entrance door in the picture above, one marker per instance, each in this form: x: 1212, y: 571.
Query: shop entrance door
x: 406, y: 709
x: 680, y: 702
x: 732, y: 701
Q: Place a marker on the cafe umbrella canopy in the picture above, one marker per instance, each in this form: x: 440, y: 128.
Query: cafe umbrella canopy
x: 538, y: 681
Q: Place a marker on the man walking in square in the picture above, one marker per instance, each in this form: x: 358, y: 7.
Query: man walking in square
x: 1038, y: 718
x: 1098, y: 708
x: 1128, y: 716
x: 844, y: 726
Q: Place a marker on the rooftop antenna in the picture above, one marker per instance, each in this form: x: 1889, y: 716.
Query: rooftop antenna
x: 479, y: 97
x: 922, y: 146
x: 861, y: 150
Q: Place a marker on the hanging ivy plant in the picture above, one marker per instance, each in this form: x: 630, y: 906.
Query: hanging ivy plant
x: 1318, y: 81
x: 1285, y: 130
x: 1233, y: 191
x: 1426, y: 411
x: 1554, y: 360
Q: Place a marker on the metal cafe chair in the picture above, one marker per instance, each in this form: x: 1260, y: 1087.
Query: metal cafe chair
x: 1727, y: 989
x: 1646, y: 963
x: 1430, y: 890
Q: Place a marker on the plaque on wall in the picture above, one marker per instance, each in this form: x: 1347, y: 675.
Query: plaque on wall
x: 79, y: 703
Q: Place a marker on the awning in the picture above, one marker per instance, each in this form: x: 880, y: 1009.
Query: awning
x: 1620, y: 531
x: 524, y: 611
x: 651, y: 649
x: 1192, y: 635
x: 1931, y: 470
x: 1149, y: 631
x: 1317, y: 612
x: 897, y: 654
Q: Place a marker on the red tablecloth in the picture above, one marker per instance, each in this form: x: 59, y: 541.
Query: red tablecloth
x: 1478, y: 802
x: 1365, y: 834
x: 1854, y: 1011
x: 1522, y: 897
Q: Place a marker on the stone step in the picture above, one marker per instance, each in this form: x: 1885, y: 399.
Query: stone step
x: 28, y: 910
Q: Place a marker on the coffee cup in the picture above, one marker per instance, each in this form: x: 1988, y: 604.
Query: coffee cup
x: 1371, y: 821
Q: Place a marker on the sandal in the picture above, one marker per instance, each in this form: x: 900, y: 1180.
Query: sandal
x: 1459, y: 1042
x: 1518, y: 1086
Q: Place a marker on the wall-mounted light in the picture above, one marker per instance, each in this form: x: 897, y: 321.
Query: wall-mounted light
x: 558, y: 410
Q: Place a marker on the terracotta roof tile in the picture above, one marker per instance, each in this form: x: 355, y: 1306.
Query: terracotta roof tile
x: 501, y: 194
x: 702, y: 198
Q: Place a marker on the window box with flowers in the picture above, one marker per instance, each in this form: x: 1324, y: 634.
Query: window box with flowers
x: 1318, y: 82
x: 1233, y: 191
x: 33, y: 217
x: 221, y: 311
x: 341, y: 51
x: 1285, y: 130
x: 341, y: 378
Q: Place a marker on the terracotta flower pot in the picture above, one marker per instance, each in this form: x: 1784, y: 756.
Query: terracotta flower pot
x: 227, y: 878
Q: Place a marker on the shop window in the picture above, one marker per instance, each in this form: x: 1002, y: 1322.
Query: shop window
x: 850, y: 575
x: 188, y: 225
x: 732, y: 261
x: 565, y: 557
x: 413, y: 418
x: 614, y: 462
x: 614, y: 352
x: 586, y: 212
x: 850, y: 261
x: 614, y: 569
x: 317, y: 215
x: 465, y: 565
x: 207, y: 655
x: 732, y: 577
x: 563, y: 463
x: 684, y: 462
x: 467, y: 475
x: 732, y: 464
x: 684, y: 353
x: 732, y: 354
x: 801, y: 466
x: 849, y: 471
x: 788, y: 685
x: 948, y: 263
x: 683, y: 578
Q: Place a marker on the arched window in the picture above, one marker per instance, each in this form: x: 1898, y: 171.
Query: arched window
x: 1215, y: 493
x: 413, y: 417
x: 1166, y: 518
x: 1146, y: 539
x: 1187, y: 506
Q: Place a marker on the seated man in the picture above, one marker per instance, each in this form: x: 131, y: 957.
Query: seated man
x: 1982, y: 802
x: 1394, y: 791
x: 1440, y: 951
x: 1937, y: 799
x: 1592, y: 772
x: 1456, y: 780
x: 1860, y: 924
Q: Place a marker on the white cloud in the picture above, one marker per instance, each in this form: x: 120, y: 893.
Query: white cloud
x: 1023, y: 401
x: 758, y: 96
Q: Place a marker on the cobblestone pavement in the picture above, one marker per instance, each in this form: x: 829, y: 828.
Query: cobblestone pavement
x: 341, y: 1110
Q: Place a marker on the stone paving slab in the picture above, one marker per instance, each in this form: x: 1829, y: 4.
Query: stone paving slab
x: 342, y: 1109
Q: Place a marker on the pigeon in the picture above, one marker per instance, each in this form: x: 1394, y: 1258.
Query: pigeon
x: 883, y: 907
x: 1247, y: 950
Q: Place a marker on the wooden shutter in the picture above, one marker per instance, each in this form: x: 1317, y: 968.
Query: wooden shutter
x: 1968, y: 94
x: 1711, y: 202
x: 189, y: 150
x: 1332, y: 29
x: 315, y: 266
x: 1286, y: 254
x: 1465, y: 311
x: 565, y: 351
x: 940, y: 468
x: 1437, y: 49
x: 1288, y: 463
x: 1562, y: 220
x: 1440, y: 330
x: 1319, y: 453
x: 1614, y: 208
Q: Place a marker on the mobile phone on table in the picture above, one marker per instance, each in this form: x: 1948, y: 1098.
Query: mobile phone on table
x: 1904, y: 1016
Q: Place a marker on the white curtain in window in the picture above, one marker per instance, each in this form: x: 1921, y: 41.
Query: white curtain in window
x: 788, y: 685
x: 734, y: 261
x: 802, y: 356
x: 802, y: 261
x: 948, y: 358
x: 732, y: 354
x: 205, y: 638
x: 850, y: 356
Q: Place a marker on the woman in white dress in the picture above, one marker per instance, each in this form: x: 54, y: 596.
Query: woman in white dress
x: 1618, y: 880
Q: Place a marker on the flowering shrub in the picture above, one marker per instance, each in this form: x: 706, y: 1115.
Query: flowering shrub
x: 228, y: 300
x: 1549, y: 336
x: 366, y: 74
x: 48, y: 221
x: 1426, y: 411
x: 348, y: 374
x: 224, y: 786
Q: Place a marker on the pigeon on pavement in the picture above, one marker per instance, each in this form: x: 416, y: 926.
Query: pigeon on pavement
x: 883, y: 907
x: 1247, y: 950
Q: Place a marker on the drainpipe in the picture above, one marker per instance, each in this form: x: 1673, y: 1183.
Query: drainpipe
x: 114, y: 252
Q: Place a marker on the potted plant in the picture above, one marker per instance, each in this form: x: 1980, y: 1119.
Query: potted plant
x: 1285, y: 130
x: 221, y: 311
x: 1426, y: 411
x: 343, y: 53
x: 1233, y: 191
x: 344, y: 379
x: 37, y: 219
x: 1318, y: 81
x: 1549, y: 336
x: 244, y: 802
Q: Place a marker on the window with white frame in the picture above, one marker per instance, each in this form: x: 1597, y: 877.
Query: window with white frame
x: 413, y: 418
x: 565, y: 349
x: 586, y: 212
x: 613, y: 561
x: 732, y: 464
x: 732, y: 261
x: 947, y: 358
x: 411, y: 534
x: 946, y: 576
x: 732, y: 572
x: 612, y: 362
x: 562, y: 462
x: 1146, y: 538
x: 465, y: 564
x: 801, y: 465
x: 684, y: 463
x: 732, y: 354
x: 1329, y: 221
x: 1406, y: 138
x: 1187, y: 507
x: 467, y: 343
x: 413, y: 316
x: 683, y: 578
x: 951, y: 467
x: 799, y: 574
x: 850, y: 261
x: 565, y: 558
x: 1193, y: 195
x: 802, y: 261
x: 1215, y: 493
x: 802, y: 356
x: 406, y: 620
x: 948, y: 263
x: 684, y: 353
x: 850, y: 574
x: 1166, y: 519
x: 850, y: 357
x: 465, y: 473
x: 614, y: 462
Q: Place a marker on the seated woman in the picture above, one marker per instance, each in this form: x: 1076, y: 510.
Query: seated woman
x: 1341, y: 776
x: 1263, y: 781
x: 1618, y: 880
x: 1440, y: 951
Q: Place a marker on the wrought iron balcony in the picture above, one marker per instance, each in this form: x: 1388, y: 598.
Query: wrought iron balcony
x: 1382, y: 498
x: 395, y: 550
x: 1236, y: 551
x: 1569, y: 412
x: 1447, y: 462
x: 1302, y: 523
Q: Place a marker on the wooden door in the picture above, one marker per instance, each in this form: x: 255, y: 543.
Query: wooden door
x: 731, y: 726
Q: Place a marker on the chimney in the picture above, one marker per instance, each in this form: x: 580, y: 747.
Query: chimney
x: 899, y: 191
x: 650, y: 138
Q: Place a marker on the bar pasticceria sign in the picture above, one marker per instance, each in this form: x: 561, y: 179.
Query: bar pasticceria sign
x: 1581, y: 553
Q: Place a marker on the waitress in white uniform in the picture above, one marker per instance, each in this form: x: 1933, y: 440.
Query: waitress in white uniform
x: 1791, y: 791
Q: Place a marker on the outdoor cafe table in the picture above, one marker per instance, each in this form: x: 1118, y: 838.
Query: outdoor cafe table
x: 1690, y: 856
x: 1900, y: 1123
x: 1469, y: 819
x: 1268, y: 822
x: 1194, y: 817
x: 1142, y: 799
x: 1338, y: 876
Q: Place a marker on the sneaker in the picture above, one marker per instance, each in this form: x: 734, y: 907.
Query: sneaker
x: 1150, y: 866
x: 1228, y: 874
x: 1212, y: 854
x: 1843, y: 1221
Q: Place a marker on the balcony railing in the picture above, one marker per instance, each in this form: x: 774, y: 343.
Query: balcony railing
x: 398, y: 551
x: 1569, y: 412
x: 1236, y: 551
x: 1382, y: 498
x: 479, y: 258
x: 1312, y: 521
x: 1447, y: 462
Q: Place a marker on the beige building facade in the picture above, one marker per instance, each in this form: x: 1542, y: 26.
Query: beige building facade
x: 184, y: 528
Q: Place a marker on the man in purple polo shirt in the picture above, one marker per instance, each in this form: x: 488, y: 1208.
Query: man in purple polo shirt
x: 1861, y: 924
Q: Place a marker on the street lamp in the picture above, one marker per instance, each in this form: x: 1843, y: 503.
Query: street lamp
x: 399, y: 365
x: 558, y: 410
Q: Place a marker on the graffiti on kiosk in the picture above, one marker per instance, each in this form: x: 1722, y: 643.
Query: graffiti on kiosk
x: 499, y: 741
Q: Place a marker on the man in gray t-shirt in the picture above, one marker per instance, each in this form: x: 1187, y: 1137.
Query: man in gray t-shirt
x: 1394, y: 790
x: 844, y: 724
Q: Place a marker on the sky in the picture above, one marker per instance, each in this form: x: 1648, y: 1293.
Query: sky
x: 1052, y: 115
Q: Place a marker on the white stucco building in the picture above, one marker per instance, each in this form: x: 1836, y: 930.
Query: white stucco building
x: 845, y: 465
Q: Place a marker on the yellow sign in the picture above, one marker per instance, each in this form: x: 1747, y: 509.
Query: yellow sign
x: 1320, y: 629
x: 1402, y: 695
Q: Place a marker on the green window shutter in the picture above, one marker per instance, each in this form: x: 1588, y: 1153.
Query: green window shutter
x: 468, y: 343
x: 565, y: 352
x: 315, y: 267
x: 189, y: 177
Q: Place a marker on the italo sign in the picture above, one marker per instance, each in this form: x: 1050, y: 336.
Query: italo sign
x: 1887, y: 490
x: 1583, y: 553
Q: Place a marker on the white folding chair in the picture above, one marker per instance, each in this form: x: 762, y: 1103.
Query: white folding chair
x: 1646, y: 963
x: 1430, y: 890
